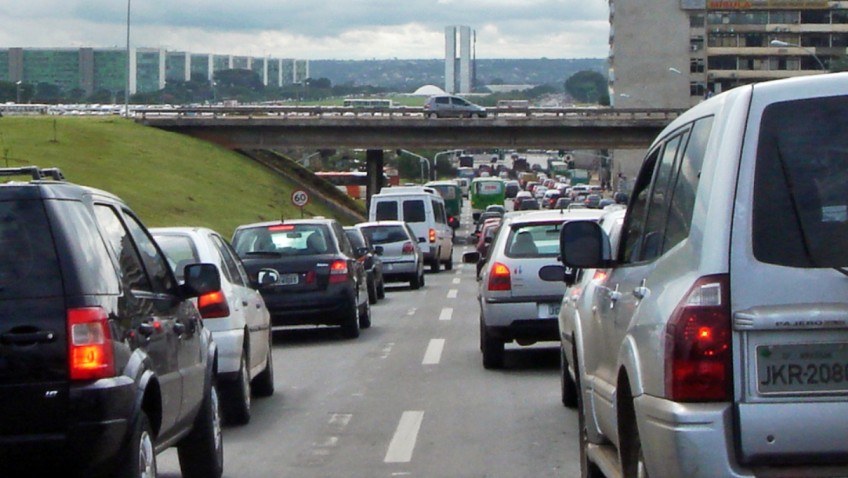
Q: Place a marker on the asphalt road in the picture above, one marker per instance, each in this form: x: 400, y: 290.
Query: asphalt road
x: 408, y: 398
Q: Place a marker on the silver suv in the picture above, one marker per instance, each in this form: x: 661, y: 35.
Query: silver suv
x: 716, y: 342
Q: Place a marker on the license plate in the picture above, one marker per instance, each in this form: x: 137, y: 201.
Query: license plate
x: 549, y: 310
x: 802, y: 368
x: 289, y: 279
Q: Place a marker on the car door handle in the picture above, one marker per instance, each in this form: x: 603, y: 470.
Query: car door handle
x: 146, y: 329
x: 642, y: 291
x: 614, y: 295
x: 244, y: 303
x: 179, y: 328
x: 25, y: 338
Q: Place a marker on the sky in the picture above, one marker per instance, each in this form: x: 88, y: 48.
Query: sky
x: 313, y: 29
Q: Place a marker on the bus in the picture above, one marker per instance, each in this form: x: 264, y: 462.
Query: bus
x: 368, y: 103
x: 484, y: 192
x: 452, y: 194
x: 352, y: 183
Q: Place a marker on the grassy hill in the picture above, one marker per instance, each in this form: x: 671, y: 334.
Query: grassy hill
x: 167, y: 179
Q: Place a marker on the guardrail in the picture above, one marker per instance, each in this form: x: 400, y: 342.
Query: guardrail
x: 398, y: 112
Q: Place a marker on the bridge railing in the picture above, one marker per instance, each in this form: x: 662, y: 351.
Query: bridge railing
x: 250, y: 111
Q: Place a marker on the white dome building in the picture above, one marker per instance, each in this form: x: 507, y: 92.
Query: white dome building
x: 429, y: 90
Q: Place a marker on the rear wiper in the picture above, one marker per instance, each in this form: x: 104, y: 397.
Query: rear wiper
x: 264, y: 253
x: 841, y: 270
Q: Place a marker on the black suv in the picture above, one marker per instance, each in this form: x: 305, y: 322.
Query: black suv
x: 104, y: 360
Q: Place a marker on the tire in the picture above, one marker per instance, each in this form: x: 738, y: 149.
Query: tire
x: 201, y: 452
x: 587, y: 468
x: 263, y: 384
x: 415, y: 283
x: 235, y: 395
x: 139, y: 459
x: 632, y: 454
x: 381, y: 289
x: 435, y: 264
x: 350, y: 328
x: 493, y: 349
x: 372, y: 291
x: 567, y: 385
x: 365, y: 316
x: 449, y: 262
x: 421, y: 279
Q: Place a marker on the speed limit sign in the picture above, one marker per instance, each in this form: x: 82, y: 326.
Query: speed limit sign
x: 299, y: 198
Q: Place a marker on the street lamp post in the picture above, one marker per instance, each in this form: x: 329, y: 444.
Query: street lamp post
x: 129, y: 69
x: 779, y: 43
x: 436, y: 159
x: 18, y: 91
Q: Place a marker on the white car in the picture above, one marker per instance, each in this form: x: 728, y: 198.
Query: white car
x: 236, y: 316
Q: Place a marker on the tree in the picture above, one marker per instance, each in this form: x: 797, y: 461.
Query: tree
x: 588, y: 87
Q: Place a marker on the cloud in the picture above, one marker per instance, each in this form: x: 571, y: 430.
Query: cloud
x: 332, y: 29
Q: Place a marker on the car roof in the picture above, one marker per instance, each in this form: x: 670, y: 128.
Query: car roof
x: 530, y: 217
x: 381, y: 223
x: 314, y: 220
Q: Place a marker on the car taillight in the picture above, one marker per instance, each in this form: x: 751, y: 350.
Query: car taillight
x: 698, y: 357
x: 90, y: 344
x: 499, y: 278
x: 213, y: 305
x: 338, y: 272
x: 432, y: 235
x: 408, y: 248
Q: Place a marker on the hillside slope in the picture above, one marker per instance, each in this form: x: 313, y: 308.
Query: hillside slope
x: 167, y: 178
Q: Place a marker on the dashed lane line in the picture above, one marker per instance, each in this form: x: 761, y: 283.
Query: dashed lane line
x: 452, y: 293
x: 446, y: 313
x: 403, y: 442
x: 433, y: 355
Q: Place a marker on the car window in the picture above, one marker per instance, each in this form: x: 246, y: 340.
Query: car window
x: 442, y: 100
x: 230, y: 263
x: 286, y: 240
x: 387, y: 211
x: 658, y: 205
x: 385, y: 234
x: 132, y: 272
x: 634, y: 225
x: 158, y: 270
x: 355, y: 239
x: 439, y: 212
x: 179, y: 250
x: 533, y: 240
x: 29, y: 266
x: 413, y: 211
x: 800, y: 210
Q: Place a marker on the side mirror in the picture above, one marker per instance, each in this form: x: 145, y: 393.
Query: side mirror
x: 472, y: 257
x: 422, y: 240
x: 378, y: 250
x: 487, y: 240
x: 360, y: 251
x: 584, y: 245
x: 267, y: 277
x: 201, y: 279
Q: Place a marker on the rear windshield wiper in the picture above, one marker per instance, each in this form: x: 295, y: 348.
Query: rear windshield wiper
x: 264, y: 253
x: 842, y: 270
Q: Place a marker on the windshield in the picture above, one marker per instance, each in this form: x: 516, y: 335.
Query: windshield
x: 800, y: 200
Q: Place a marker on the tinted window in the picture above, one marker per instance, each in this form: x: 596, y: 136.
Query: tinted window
x: 439, y: 212
x: 132, y: 272
x: 387, y: 211
x: 232, y: 261
x: 355, y: 239
x: 800, y: 215
x: 28, y: 263
x: 634, y: 225
x: 285, y: 239
x: 385, y: 234
x: 682, y: 204
x: 657, y: 209
x: 413, y: 211
x: 159, y: 272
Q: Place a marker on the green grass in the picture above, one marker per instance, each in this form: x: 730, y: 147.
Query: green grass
x: 168, y: 179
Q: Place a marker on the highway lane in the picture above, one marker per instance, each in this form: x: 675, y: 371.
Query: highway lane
x: 409, y: 397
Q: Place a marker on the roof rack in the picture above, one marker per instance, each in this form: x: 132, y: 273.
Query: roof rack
x: 34, y: 172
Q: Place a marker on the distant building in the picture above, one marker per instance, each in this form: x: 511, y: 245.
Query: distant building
x: 98, y: 69
x: 461, y: 81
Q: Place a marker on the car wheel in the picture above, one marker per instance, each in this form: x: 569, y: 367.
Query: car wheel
x: 493, y: 349
x: 372, y: 290
x: 632, y: 454
x: 381, y: 289
x: 365, y: 315
x: 435, y: 264
x: 449, y: 263
x: 350, y: 328
x: 235, y: 395
x: 568, y: 387
x: 421, y: 278
x: 201, y: 452
x: 140, y: 457
x: 587, y: 468
x: 263, y: 384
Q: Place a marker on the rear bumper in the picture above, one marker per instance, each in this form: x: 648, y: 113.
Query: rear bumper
x: 98, y: 420
x: 535, y: 330
x: 399, y: 271
x: 328, y: 307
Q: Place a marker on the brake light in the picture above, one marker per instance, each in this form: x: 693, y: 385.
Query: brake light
x: 600, y: 275
x: 698, y: 356
x: 432, y: 235
x: 281, y: 227
x: 213, y: 305
x: 338, y: 272
x: 90, y: 354
x: 499, y: 278
x: 408, y: 248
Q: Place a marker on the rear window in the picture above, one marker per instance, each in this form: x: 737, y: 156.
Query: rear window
x: 533, y: 240
x: 800, y: 215
x: 179, y: 250
x: 385, y: 234
x: 387, y: 211
x: 413, y: 211
x: 29, y: 267
x: 286, y: 240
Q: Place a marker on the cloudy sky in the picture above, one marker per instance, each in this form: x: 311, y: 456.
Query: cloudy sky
x: 314, y: 29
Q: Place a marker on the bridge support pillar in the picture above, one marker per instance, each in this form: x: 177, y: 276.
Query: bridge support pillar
x: 374, y: 169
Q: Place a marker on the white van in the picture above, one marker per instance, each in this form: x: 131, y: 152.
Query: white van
x: 424, y: 210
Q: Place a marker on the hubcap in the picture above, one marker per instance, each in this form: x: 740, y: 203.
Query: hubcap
x: 146, y: 457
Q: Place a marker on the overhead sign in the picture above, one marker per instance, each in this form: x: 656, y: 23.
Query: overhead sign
x: 300, y: 198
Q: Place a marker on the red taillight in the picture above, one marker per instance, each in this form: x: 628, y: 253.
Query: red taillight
x: 90, y: 344
x: 281, y: 228
x: 213, y: 305
x: 338, y: 272
x: 600, y: 275
x: 499, y: 278
x: 698, y: 357
x: 408, y: 248
x: 432, y: 235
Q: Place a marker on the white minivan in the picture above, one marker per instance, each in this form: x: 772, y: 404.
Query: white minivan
x: 424, y: 210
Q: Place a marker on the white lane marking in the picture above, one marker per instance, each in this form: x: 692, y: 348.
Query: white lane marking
x: 340, y: 420
x: 403, y: 441
x: 387, y: 350
x: 411, y: 311
x: 433, y: 355
x: 452, y: 293
x: 446, y: 313
x: 456, y: 280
